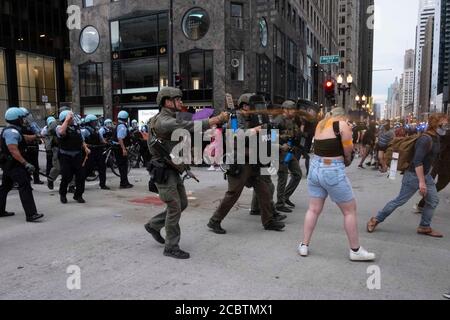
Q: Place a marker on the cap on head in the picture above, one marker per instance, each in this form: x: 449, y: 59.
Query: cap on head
x: 50, y: 120
x: 123, y: 115
x: 244, y: 99
x: 168, y: 93
x: 13, y: 114
x: 90, y: 118
x: 289, y: 105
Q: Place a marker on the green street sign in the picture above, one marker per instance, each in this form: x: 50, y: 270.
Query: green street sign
x: 330, y: 59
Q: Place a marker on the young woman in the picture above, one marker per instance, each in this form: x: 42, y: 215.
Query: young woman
x: 333, y: 152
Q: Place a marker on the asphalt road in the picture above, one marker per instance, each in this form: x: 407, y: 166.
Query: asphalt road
x: 117, y: 259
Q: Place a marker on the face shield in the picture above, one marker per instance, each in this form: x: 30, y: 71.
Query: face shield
x: 77, y: 121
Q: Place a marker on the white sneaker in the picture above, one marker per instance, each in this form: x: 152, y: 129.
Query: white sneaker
x: 212, y: 168
x: 303, y: 250
x: 362, y: 255
x: 447, y: 295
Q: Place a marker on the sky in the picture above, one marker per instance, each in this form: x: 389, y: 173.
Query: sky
x: 395, y: 32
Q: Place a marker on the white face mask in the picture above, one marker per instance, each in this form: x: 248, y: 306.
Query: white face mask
x: 442, y: 132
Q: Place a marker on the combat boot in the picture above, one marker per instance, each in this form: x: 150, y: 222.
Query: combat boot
x: 274, y: 226
x: 176, y: 253
x: 215, y: 227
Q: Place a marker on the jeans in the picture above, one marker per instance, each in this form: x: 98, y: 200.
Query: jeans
x: 410, y: 185
x: 328, y: 178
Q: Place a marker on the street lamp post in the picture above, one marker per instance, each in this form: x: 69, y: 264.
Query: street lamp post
x: 361, y: 103
x: 344, y: 87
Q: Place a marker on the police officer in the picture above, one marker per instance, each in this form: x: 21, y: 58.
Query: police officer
x: 169, y: 184
x: 289, y: 140
x: 242, y: 175
x: 48, y: 141
x: 96, y: 144
x: 107, y: 131
x: 32, y: 151
x: 15, y: 168
x: 71, y: 147
x: 122, y: 137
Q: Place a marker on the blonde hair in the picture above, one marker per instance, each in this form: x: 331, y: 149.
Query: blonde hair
x: 337, y: 114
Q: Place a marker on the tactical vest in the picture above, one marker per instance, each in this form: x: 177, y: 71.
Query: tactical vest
x: 7, y: 160
x: 72, y: 141
x: 127, y: 140
x: 29, y: 132
x: 94, y: 137
x: 108, y: 134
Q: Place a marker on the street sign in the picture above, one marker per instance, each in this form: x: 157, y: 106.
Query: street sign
x: 330, y: 59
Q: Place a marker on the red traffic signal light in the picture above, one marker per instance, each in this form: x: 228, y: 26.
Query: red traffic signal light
x: 329, y: 89
x: 329, y: 84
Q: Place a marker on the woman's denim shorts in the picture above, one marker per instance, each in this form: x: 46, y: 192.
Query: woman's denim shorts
x: 328, y: 178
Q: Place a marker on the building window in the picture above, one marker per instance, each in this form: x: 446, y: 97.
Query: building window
x: 138, y: 33
x: 88, y: 3
x: 143, y: 75
x: 3, y: 87
x: 237, y: 65
x: 263, y: 32
x: 89, y: 39
x: 68, y: 80
x: 264, y: 74
x: 91, y: 80
x: 236, y: 15
x: 196, y: 68
x: 196, y: 24
x: 280, y: 80
x: 36, y: 80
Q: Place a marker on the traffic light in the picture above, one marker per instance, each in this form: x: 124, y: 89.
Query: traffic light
x: 330, y: 92
x: 178, y: 80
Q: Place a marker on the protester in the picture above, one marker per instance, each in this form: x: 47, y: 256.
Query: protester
x: 333, y: 152
x: 385, y: 137
x: 368, y: 143
x: 418, y: 178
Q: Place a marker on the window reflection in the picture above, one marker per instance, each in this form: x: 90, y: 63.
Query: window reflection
x: 35, y: 78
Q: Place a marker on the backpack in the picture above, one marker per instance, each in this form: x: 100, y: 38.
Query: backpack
x: 405, y: 147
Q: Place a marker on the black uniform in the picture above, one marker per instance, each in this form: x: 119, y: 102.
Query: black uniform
x: 14, y: 172
x: 96, y: 159
x: 71, y: 161
x: 31, y: 152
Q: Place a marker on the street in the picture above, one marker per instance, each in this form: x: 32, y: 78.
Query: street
x: 118, y: 259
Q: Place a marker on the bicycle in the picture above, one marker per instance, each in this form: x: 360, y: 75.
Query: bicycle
x: 111, y: 163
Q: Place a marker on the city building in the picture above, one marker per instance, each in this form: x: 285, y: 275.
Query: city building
x: 426, y: 71
x: 393, y: 104
x: 349, y: 40
x: 35, y: 70
x: 426, y: 10
x: 440, y: 84
x: 408, y: 84
x: 127, y: 50
x: 366, y: 42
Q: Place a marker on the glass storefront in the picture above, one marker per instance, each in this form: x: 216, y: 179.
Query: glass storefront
x: 197, y: 75
x: 139, y: 61
x: 36, y: 79
x: 91, y: 88
x: 3, y: 88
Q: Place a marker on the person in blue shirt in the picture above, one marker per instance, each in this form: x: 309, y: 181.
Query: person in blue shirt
x: 122, y: 137
x: 15, y: 168
x: 96, y: 144
x: 71, y: 145
x: 107, y: 130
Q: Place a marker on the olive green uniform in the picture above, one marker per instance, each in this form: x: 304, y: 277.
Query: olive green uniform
x: 250, y: 176
x: 288, y: 130
x: 172, y: 192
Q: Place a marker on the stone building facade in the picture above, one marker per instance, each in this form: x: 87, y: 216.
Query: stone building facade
x: 207, y: 48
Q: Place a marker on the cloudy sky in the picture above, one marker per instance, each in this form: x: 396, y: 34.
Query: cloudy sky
x: 395, y: 29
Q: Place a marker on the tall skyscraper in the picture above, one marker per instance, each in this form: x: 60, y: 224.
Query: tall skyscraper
x: 426, y: 71
x: 426, y: 10
x: 366, y: 39
x: 408, y: 84
x: 441, y: 53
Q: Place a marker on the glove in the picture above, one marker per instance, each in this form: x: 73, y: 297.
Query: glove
x: 30, y: 168
x: 285, y: 147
